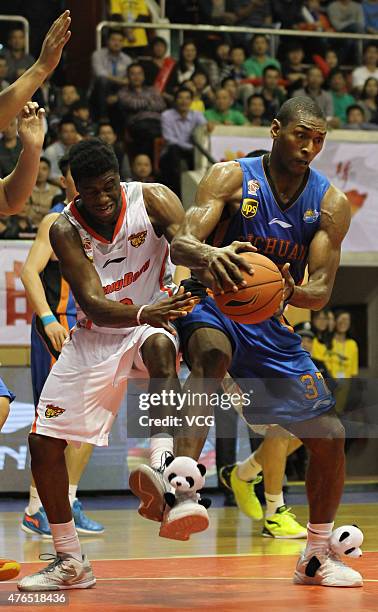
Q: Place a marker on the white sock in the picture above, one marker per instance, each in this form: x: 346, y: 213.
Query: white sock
x: 72, y: 493
x: 249, y: 469
x: 160, y: 444
x: 318, y: 535
x: 273, y: 502
x: 66, y: 539
x: 34, y: 501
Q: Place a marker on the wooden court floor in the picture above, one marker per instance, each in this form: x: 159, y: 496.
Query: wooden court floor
x: 227, y: 568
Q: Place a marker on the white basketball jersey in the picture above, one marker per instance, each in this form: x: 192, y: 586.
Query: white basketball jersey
x: 135, y: 267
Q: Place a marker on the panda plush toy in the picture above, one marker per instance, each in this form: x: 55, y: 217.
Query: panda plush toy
x: 346, y: 540
x: 187, y: 477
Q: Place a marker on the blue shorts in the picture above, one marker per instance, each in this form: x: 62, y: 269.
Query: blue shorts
x: 267, y: 360
x: 43, y: 354
x: 4, y: 391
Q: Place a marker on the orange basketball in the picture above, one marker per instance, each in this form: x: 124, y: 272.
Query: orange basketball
x: 9, y: 569
x: 262, y: 296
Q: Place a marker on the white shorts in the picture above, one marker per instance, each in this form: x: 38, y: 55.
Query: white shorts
x: 84, y: 389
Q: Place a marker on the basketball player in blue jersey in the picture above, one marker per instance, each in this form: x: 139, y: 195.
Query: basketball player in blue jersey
x: 287, y: 211
x: 55, y: 314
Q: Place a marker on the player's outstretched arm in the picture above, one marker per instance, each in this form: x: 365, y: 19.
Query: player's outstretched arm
x: 36, y: 262
x: 86, y: 286
x: 218, y: 186
x: 14, y: 97
x: 16, y: 188
x: 324, y: 253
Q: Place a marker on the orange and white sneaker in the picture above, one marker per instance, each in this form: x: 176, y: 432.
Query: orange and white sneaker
x: 185, y: 518
x: 148, y: 484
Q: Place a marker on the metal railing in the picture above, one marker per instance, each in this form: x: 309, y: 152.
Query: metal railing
x: 185, y: 27
x: 19, y: 18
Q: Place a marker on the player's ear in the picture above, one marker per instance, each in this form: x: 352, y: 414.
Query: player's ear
x: 275, y: 128
x: 63, y: 182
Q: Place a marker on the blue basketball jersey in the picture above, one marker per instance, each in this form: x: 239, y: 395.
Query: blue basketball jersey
x: 283, y: 235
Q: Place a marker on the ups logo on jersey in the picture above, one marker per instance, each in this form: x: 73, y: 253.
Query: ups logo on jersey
x: 249, y: 208
x: 53, y: 411
x: 137, y: 239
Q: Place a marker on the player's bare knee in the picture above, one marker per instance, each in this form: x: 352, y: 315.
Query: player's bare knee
x: 159, y: 355
x: 43, y: 447
x: 211, y: 362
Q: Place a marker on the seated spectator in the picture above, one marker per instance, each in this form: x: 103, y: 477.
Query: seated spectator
x: 222, y: 12
x: 17, y: 227
x: 256, y: 110
x: 288, y: 13
x: 141, y: 169
x: 235, y: 92
x: 222, y: 112
x: 251, y: 14
x: 66, y: 97
x: 17, y: 60
x: 197, y: 104
x: 340, y: 96
x: 293, y: 69
x: 312, y: 15
x: 158, y: 67
x: 221, y: 61
x: 314, y: 89
x: 259, y: 59
x: 108, y: 135
x: 3, y: 73
x: 81, y: 115
x: 203, y: 89
x: 236, y: 69
x: 39, y: 203
x: 273, y: 95
x: 10, y: 149
x: 187, y: 65
x: 131, y: 11
x: 331, y: 59
x: 347, y: 16
x: 369, y: 68
x: 109, y: 66
x: 370, y: 8
x: 356, y: 119
x: 369, y: 100
x: 67, y: 136
x: 141, y: 107
x: 178, y: 125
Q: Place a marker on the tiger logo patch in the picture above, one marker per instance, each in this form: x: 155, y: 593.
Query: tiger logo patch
x: 52, y: 412
x: 137, y: 239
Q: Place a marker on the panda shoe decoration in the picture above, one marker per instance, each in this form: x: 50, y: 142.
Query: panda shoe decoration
x: 186, y: 512
x: 328, y: 569
x: 148, y: 484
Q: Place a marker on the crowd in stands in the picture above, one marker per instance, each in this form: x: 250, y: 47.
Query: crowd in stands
x: 146, y: 100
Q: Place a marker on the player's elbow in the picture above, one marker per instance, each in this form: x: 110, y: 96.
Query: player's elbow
x: 321, y: 299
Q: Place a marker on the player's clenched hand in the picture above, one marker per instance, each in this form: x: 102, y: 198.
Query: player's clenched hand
x: 56, y: 334
x: 55, y: 39
x: 225, y: 265
x: 159, y: 314
x: 31, y: 128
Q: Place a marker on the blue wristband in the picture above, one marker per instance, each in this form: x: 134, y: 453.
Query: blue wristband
x: 47, y: 319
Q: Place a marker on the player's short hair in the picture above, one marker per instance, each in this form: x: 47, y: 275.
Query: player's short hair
x: 64, y: 164
x: 90, y: 159
x: 290, y: 109
x: 257, y: 153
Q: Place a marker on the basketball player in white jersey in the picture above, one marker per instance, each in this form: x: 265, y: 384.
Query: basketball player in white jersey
x: 112, y: 243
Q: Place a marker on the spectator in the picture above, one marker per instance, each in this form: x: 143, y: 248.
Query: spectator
x: 315, y: 91
x: 369, y: 68
x: 312, y: 15
x: 141, y: 107
x: 10, y: 149
x: 39, y: 203
x: 236, y: 69
x: 259, y: 59
x: 108, y: 135
x: 252, y: 13
x: 273, y: 95
x: 18, y: 61
x: 233, y: 89
x: 3, y: 73
x: 340, y: 97
x: 331, y: 59
x: 222, y: 61
x: 222, y: 112
x: 81, y: 115
x: 370, y: 8
x: 67, y: 136
x: 159, y: 67
x: 288, y: 13
x: 222, y: 12
x: 178, y: 125
x: 293, y: 69
x: 256, y: 110
x: 187, y: 65
x: 356, y: 119
x: 369, y: 100
x: 347, y: 16
x: 17, y: 227
x: 203, y: 88
x: 109, y: 66
x: 132, y: 11
x: 342, y: 361
x: 141, y: 168
x: 322, y: 340
x: 66, y: 97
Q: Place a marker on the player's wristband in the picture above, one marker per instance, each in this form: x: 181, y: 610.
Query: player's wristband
x: 47, y: 319
x: 139, y: 314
